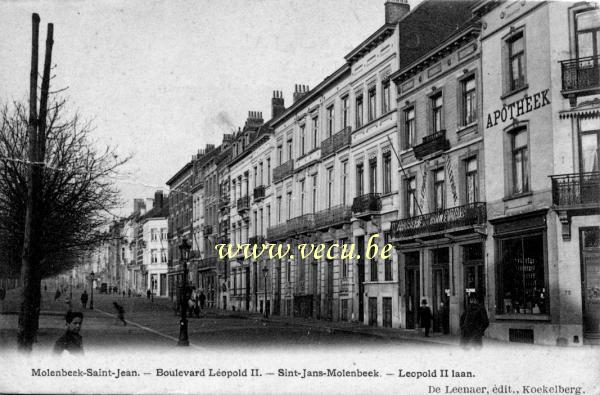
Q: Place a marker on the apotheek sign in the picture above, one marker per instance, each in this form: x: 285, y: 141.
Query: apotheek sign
x: 518, y: 108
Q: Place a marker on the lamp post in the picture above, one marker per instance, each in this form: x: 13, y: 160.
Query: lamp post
x: 184, y: 250
x: 92, y: 287
x: 265, y: 271
x: 71, y: 288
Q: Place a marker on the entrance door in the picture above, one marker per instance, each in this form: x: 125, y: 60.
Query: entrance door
x: 590, y: 260
x: 372, y: 311
x: 413, y: 290
x: 387, y: 312
x: 360, y: 242
x: 163, y: 284
x: 441, y: 290
x: 473, y: 272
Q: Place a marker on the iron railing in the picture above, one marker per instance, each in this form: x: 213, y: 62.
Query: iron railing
x: 581, y: 74
x: 366, y: 203
x: 439, y: 221
x: 336, y: 142
x: 259, y: 192
x: 223, y: 202
x: 243, y: 203
x: 258, y: 240
x: 432, y: 143
x: 576, y: 189
x: 277, y: 232
x: 333, y: 216
x: 284, y: 170
x: 210, y: 261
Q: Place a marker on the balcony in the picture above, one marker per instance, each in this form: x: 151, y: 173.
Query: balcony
x: 333, y: 216
x: 302, y: 224
x: 223, y: 227
x: 207, y: 229
x: 223, y: 202
x: 208, y: 263
x: 336, y: 142
x: 258, y: 240
x: 259, y: 193
x: 576, y: 191
x: 366, y: 205
x: 450, y: 220
x: 243, y: 204
x: 284, y: 170
x: 277, y: 232
x: 580, y: 77
x: 436, y: 142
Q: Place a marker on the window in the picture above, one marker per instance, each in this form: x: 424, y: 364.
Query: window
x: 387, y: 273
x: 329, y: 187
x: 154, y: 234
x: 387, y: 172
x: 359, y: 111
x: 288, y: 271
x: 278, y: 209
x: 260, y: 219
x: 163, y: 256
x: 516, y: 61
x: 373, y: 269
x: 345, y: 112
x: 588, y: 34
x: 268, y: 216
x: 409, y: 127
x: 153, y: 256
x: 520, y: 165
x: 522, y: 279
x: 469, y: 103
x: 302, y: 197
x: 289, y: 205
x: 315, y: 123
x: 589, y: 139
x: 255, y: 177
x: 344, y: 309
x: 411, y: 196
x: 314, y: 194
x: 371, y: 112
x: 289, y: 149
x: 279, y: 155
x: 330, y: 121
x: 302, y: 140
x: 344, y: 261
x: 261, y: 174
x: 344, y: 181
x: 385, y: 97
x: 471, y: 181
x: 436, y: 112
x: 373, y: 175
x: 360, y: 179
x: 255, y: 223
x: 438, y: 189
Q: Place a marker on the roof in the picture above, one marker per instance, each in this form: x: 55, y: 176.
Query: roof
x: 374, y: 39
x: 180, y: 173
x: 157, y: 212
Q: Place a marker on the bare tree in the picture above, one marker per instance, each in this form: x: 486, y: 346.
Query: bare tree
x: 75, y: 199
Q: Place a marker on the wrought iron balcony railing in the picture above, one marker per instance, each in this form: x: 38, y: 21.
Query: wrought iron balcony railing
x: 367, y: 203
x: 576, y: 190
x: 336, y: 142
x: 333, y: 216
x: 284, y: 170
x: 581, y: 74
x: 208, y: 262
x: 243, y: 203
x: 223, y: 202
x: 436, y: 142
x: 259, y: 192
x: 258, y: 240
x: 440, y: 221
x: 277, y: 232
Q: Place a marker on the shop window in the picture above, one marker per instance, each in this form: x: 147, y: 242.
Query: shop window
x: 522, y: 286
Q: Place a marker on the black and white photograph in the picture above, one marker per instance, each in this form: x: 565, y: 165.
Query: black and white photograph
x: 300, y: 196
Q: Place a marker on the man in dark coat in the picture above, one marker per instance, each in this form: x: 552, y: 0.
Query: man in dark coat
x: 424, y: 317
x: 473, y: 323
x: 84, y: 299
x: 71, y: 341
x: 202, y: 299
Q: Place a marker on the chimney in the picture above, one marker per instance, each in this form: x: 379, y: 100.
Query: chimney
x: 277, y: 106
x: 395, y: 10
x: 148, y: 206
x: 138, y: 205
x: 299, y: 91
x: 158, y: 199
x: 254, y: 119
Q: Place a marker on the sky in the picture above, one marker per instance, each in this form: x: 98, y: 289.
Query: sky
x: 161, y: 79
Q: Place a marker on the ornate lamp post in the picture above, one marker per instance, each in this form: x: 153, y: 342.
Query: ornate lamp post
x: 265, y: 271
x: 184, y: 250
x: 92, y: 287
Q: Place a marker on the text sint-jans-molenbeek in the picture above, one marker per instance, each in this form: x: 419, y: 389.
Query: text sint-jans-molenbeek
x: 330, y: 251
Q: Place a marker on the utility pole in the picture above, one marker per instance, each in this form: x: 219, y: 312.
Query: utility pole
x: 30, y: 263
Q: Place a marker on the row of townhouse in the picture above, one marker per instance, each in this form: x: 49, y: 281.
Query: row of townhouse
x: 464, y: 133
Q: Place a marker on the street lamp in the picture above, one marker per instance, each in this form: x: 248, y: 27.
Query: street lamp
x: 92, y: 287
x: 184, y: 250
x: 71, y: 288
x: 265, y: 271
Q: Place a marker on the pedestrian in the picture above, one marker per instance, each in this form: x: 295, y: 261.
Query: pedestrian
x: 45, y: 288
x: 148, y: 293
x: 424, y: 317
x: 56, y: 295
x: 120, y: 312
x: 202, y: 299
x: 123, y: 293
x: 71, y: 341
x: 69, y: 304
x: 129, y: 293
x: 473, y: 323
x: 84, y: 299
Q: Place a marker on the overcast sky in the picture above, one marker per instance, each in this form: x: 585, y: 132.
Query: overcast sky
x: 160, y: 79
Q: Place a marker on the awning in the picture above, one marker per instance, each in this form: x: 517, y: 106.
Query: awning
x: 589, y: 109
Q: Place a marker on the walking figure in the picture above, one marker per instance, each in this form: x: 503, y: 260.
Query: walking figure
x: 71, y: 341
x: 129, y: 293
x: 148, y: 293
x: 56, y: 295
x: 84, y: 299
x: 120, y: 312
x: 424, y: 317
x: 473, y: 323
x: 202, y: 299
